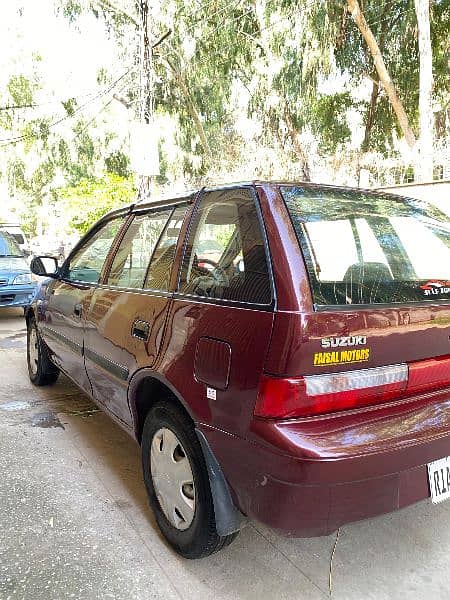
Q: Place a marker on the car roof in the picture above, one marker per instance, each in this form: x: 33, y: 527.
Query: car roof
x: 190, y: 195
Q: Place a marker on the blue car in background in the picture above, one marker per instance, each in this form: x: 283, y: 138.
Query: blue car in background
x: 17, y: 286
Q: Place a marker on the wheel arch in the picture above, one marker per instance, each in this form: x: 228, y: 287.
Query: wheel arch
x: 148, y: 387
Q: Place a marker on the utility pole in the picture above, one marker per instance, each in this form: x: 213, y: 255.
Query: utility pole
x: 146, y: 84
x: 146, y: 142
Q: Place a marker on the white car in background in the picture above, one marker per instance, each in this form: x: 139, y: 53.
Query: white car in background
x: 15, y: 230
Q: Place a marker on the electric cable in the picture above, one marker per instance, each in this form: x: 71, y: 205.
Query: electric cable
x: 15, y: 140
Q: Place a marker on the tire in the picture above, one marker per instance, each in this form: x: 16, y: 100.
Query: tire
x: 192, y: 530
x: 40, y: 368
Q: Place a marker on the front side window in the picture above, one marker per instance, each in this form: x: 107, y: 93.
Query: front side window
x: 225, y: 256
x: 365, y: 248
x: 132, y: 258
x: 87, y: 263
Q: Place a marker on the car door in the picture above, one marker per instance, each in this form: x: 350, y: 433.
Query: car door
x: 128, y: 310
x: 219, y: 327
x: 68, y: 299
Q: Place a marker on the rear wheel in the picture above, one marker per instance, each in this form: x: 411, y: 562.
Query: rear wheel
x: 40, y: 368
x: 177, y: 483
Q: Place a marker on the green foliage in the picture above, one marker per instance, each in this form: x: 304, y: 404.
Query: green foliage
x: 90, y: 199
x: 71, y: 9
x: 440, y: 41
x: 118, y: 163
x: 70, y: 105
x: 21, y: 90
x: 394, y: 26
x: 276, y: 52
x: 329, y: 121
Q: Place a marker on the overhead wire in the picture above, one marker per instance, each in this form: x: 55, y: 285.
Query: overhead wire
x: 47, y: 103
x: 103, y: 108
x: 17, y: 139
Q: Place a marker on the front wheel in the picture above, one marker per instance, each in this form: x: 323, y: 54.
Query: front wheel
x: 40, y: 368
x: 177, y: 483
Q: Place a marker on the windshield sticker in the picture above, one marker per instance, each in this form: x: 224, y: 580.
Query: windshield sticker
x: 340, y: 357
x: 436, y: 287
x: 339, y: 342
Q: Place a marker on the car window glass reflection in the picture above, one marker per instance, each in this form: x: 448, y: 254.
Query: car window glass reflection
x: 133, y: 256
x: 86, y: 265
x: 225, y: 257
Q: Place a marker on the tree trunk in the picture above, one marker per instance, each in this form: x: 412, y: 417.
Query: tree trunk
x: 385, y: 79
x: 424, y: 167
x: 370, y: 116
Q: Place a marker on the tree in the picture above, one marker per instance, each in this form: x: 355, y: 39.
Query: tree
x: 88, y: 200
x: 383, y: 74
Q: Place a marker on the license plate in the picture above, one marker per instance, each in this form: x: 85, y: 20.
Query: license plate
x: 439, y: 478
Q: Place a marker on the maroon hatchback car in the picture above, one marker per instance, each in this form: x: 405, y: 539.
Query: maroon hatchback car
x: 300, y: 377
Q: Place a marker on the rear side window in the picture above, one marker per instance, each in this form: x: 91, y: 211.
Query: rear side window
x: 361, y: 248
x: 132, y: 258
x: 159, y: 271
x: 225, y: 256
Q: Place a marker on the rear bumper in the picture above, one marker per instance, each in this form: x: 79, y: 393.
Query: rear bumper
x: 17, y: 295
x: 337, y: 470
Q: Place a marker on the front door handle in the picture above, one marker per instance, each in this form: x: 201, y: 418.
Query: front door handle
x: 77, y: 310
x: 140, y: 330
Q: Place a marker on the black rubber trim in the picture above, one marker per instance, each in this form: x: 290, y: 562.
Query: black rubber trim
x: 228, y: 518
x: 55, y: 335
x: 115, y: 369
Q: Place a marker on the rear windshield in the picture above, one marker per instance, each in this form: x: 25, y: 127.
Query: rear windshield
x: 363, y: 248
x: 8, y: 245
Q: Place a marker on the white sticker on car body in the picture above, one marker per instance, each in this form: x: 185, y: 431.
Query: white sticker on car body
x: 211, y: 393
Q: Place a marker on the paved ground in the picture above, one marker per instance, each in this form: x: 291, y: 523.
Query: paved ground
x: 74, y: 521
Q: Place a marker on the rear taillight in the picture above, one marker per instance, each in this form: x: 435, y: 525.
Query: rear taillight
x: 429, y: 374
x: 319, y: 394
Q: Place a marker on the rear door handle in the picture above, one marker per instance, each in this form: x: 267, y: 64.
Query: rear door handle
x: 77, y: 310
x: 140, y: 330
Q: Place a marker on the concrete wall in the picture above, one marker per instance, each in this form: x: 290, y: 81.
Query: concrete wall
x: 436, y: 192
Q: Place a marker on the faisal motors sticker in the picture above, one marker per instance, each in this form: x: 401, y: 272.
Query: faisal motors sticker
x: 436, y: 287
x: 341, y: 357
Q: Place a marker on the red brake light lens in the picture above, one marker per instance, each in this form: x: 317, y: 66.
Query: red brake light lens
x: 320, y: 394
x: 426, y: 375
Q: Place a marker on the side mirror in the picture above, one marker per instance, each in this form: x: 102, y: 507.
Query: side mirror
x: 45, y: 266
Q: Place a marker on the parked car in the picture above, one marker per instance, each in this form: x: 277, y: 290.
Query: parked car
x: 17, y: 286
x: 16, y: 231
x: 282, y: 385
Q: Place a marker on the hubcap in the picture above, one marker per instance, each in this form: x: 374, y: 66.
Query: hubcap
x: 172, y: 477
x: 33, y: 351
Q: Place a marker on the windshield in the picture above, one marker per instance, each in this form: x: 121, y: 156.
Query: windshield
x: 8, y: 245
x: 363, y: 248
